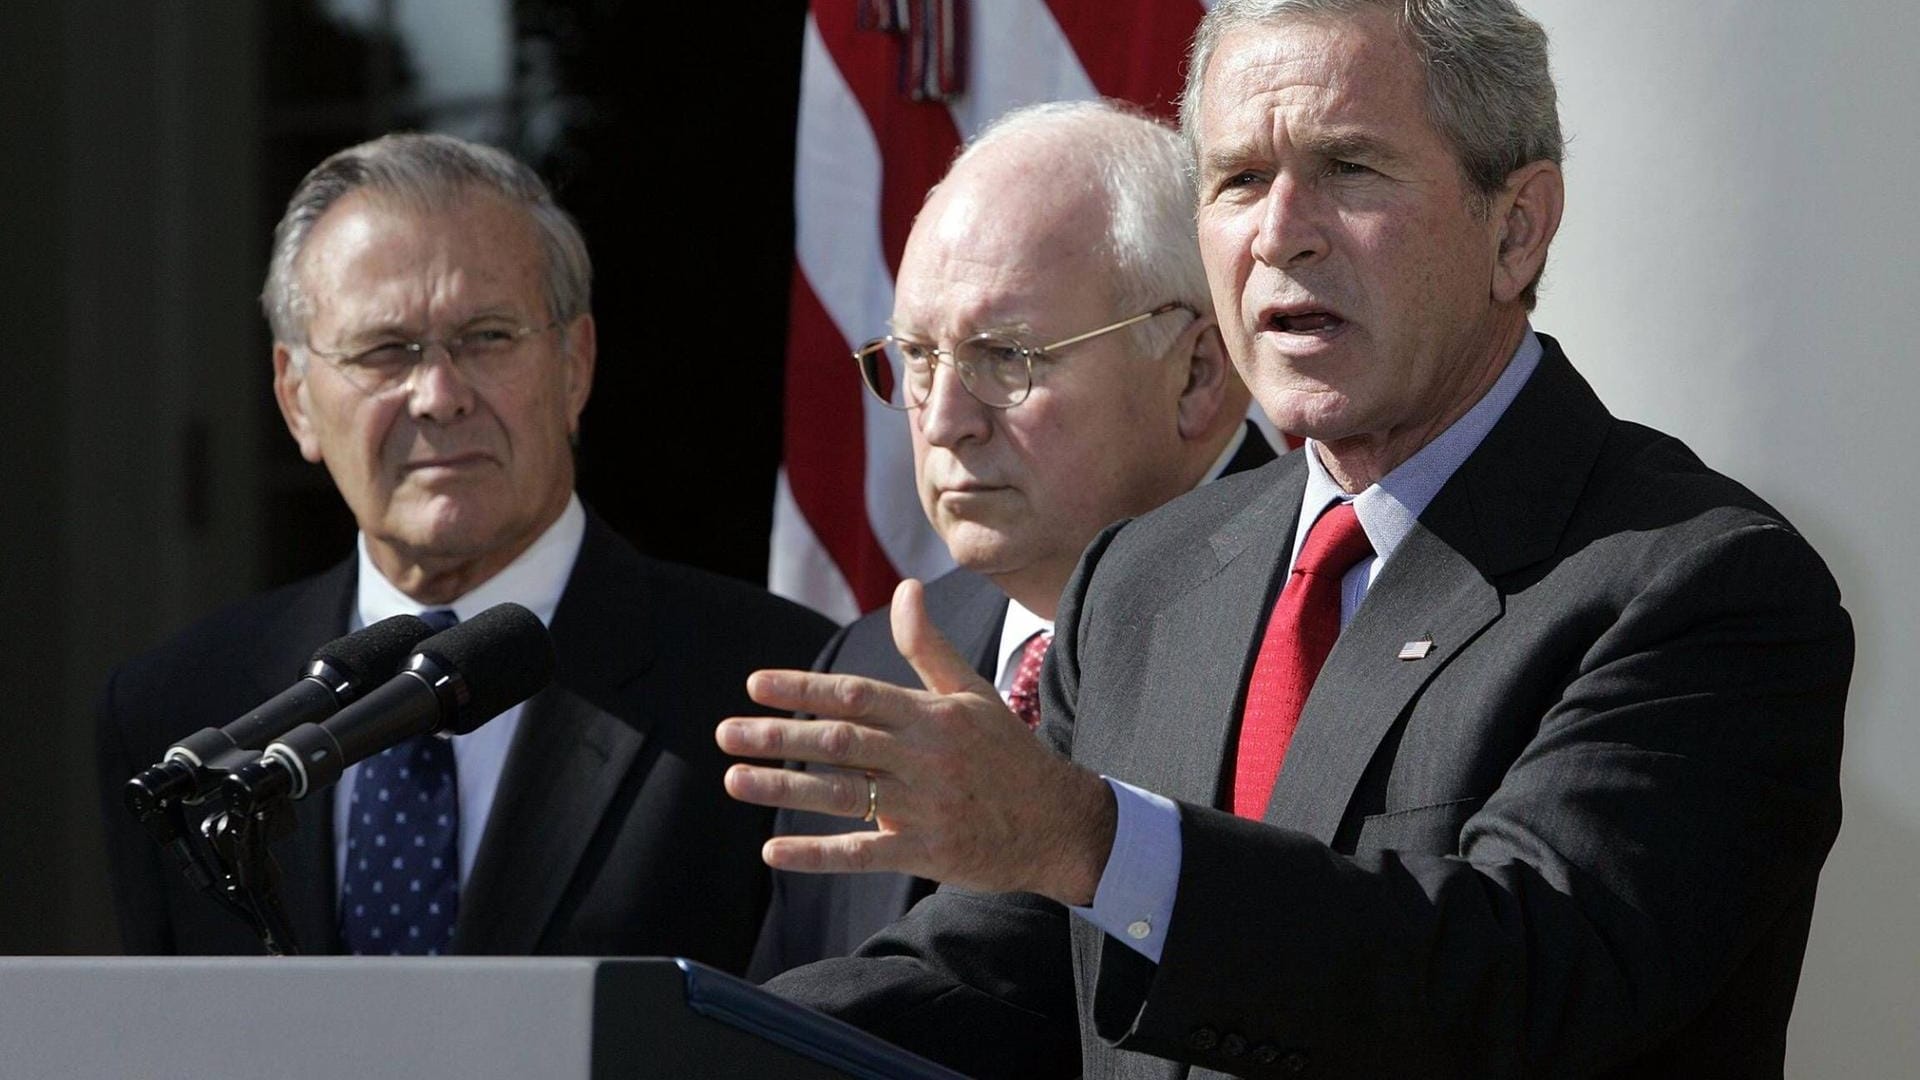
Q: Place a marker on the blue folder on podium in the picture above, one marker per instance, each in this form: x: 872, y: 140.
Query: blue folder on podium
x: 467, y: 1018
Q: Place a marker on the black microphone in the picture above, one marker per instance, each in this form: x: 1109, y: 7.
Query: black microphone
x: 337, y: 674
x: 457, y: 680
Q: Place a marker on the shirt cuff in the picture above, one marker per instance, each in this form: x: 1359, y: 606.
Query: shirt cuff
x: 1134, y: 900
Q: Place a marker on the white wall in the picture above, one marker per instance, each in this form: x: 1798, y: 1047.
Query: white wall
x: 1740, y: 266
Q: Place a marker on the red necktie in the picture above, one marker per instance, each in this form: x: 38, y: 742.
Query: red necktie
x: 1024, y: 696
x: 1300, y: 634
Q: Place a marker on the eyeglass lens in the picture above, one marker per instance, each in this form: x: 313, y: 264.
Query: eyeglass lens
x: 484, y: 355
x: 901, y: 373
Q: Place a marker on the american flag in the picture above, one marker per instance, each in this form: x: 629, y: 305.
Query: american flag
x: 889, y: 90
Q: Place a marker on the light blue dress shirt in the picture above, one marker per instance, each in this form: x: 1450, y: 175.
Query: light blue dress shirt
x: 1134, y: 901
x: 535, y: 580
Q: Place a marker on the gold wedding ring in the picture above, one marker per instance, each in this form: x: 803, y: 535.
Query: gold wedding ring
x: 873, y: 798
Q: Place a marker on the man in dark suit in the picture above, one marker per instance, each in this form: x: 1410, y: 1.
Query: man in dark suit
x: 1554, y: 710
x: 434, y: 348
x: 1113, y: 425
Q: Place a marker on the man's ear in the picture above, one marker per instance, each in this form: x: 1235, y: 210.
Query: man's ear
x: 290, y: 392
x: 1203, y: 354
x: 1529, y: 216
x: 581, y: 345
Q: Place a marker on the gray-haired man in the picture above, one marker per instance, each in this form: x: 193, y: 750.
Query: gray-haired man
x: 433, y: 348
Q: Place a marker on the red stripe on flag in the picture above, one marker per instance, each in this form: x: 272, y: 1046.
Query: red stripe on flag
x: 1131, y: 49
x: 917, y: 140
x: 825, y: 447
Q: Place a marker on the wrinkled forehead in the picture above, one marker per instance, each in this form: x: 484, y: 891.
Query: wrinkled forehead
x: 370, y: 247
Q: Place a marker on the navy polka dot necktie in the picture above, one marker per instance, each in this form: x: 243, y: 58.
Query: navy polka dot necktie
x: 400, y: 893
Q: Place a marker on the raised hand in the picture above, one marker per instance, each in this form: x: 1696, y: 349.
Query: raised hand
x: 961, y: 790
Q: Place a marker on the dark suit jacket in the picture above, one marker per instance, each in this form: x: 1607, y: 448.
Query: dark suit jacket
x: 1580, y: 836
x: 815, y: 916
x: 610, y: 833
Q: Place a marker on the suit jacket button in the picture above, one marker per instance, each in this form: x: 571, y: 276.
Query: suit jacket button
x: 1295, y: 1063
x: 1233, y: 1045
x: 1265, y: 1054
x: 1203, y: 1038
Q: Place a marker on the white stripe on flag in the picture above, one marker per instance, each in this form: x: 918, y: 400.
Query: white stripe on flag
x: 837, y: 213
x: 836, y: 199
x: 798, y: 568
x: 1018, y: 56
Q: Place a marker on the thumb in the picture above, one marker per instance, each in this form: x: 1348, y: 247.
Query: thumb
x: 940, y: 667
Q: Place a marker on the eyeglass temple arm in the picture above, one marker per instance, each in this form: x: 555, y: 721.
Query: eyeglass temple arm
x: 1171, y: 305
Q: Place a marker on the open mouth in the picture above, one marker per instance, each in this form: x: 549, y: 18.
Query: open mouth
x: 1309, y: 323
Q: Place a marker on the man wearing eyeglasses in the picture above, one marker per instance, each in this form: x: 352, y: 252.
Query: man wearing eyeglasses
x: 1054, y: 349
x: 433, y: 348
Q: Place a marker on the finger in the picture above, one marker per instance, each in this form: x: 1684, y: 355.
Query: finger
x: 847, y: 697
x: 939, y: 665
x: 844, y: 853
x: 835, y: 792
x: 825, y: 742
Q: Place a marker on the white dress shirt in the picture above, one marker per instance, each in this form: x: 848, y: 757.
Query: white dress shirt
x: 535, y: 580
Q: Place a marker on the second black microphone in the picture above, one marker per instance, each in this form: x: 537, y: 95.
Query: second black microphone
x: 457, y: 680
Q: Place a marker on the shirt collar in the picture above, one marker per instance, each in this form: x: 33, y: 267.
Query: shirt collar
x: 535, y: 579
x: 1388, y: 508
x: 1019, y: 625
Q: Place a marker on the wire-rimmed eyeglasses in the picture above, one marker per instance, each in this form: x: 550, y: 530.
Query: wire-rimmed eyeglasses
x: 995, y: 368
x: 486, y: 353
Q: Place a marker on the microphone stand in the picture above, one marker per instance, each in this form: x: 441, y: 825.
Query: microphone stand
x: 242, y: 836
x: 165, y: 820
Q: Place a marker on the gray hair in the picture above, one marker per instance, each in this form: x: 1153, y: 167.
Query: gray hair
x: 430, y: 172
x: 1139, y: 165
x: 1489, y: 89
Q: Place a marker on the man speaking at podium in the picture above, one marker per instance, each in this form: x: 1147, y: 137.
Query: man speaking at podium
x: 433, y: 348
x: 1489, y: 735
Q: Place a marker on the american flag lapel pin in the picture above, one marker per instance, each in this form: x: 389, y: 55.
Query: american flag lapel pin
x: 1416, y: 650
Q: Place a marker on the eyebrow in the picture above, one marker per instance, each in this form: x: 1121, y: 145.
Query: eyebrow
x: 1351, y: 146
x: 1015, y: 329
x: 358, y: 335
x: 396, y: 328
x: 1337, y: 145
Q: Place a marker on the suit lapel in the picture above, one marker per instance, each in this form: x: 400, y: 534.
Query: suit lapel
x: 568, y: 759
x: 1225, y: 608
x: 1226, y: 604
x: 1427, y: 592
x: 1505, y: 508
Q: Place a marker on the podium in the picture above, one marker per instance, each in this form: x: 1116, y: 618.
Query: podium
x: 464, y: 1018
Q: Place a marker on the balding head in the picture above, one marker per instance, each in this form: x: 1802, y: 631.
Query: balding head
x: 1059, y: 220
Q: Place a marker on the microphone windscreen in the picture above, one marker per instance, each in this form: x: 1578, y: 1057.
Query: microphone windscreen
x: 505, y: 656
x: 369, y: 656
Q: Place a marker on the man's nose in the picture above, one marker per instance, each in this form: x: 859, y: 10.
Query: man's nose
x: 951, y: 414
x: 1292, y: 224
x: 437, y: 387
